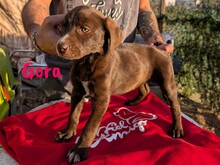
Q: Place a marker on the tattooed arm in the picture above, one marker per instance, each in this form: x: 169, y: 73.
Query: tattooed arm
x: 36, y: 20
x: 148, y: 27
x: 34, y: 13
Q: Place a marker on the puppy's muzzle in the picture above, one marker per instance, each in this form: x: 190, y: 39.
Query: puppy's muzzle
x: 62, y: 48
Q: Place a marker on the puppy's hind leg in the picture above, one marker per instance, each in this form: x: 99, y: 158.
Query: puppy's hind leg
x: 143, y: 90
x: 170, y: 90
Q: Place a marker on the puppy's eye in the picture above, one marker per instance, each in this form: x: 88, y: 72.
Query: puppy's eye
x: 84, y: 29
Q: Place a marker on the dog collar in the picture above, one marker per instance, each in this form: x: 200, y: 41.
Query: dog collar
x: 34, y: 40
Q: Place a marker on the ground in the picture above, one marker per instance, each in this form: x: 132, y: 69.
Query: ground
x: 203, y: 115
x: 192, y: 107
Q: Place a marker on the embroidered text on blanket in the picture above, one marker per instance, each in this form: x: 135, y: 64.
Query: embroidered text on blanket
x: 129, y: 121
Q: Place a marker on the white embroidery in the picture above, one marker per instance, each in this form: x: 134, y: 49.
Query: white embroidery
x: 130, y: 121
x: 99, y: 4
x: 114, y: 13
x: 85, y: 2
x: 118, y: 2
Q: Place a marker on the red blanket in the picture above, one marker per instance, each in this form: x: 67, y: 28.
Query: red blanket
x: 127, y: 135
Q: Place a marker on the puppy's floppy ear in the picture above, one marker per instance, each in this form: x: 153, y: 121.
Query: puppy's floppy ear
x: 114, y: 33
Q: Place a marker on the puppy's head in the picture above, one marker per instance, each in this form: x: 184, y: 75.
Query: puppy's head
x: 84, y: 31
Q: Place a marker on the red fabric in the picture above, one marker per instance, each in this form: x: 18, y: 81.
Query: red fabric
x: 29, y: 138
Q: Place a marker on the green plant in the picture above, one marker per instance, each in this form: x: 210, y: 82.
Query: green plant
x: 197, y: 42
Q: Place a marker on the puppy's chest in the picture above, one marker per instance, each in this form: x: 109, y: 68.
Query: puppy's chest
x: 85, y: 78
x: 83, y: 71
x: 83, y: 68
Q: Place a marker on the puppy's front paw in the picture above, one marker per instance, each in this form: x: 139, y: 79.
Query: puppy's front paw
x: 64, y: 135
x: 77, y: 155
x: 177, y: 131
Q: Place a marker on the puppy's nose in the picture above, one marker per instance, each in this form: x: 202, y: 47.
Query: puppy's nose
x: 62, y: 47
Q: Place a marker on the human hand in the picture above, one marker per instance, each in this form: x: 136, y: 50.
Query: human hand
x: 168, y: 48
x: 47, y: 35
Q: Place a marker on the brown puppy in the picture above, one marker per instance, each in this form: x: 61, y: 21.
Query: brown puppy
x: 103, y: 66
